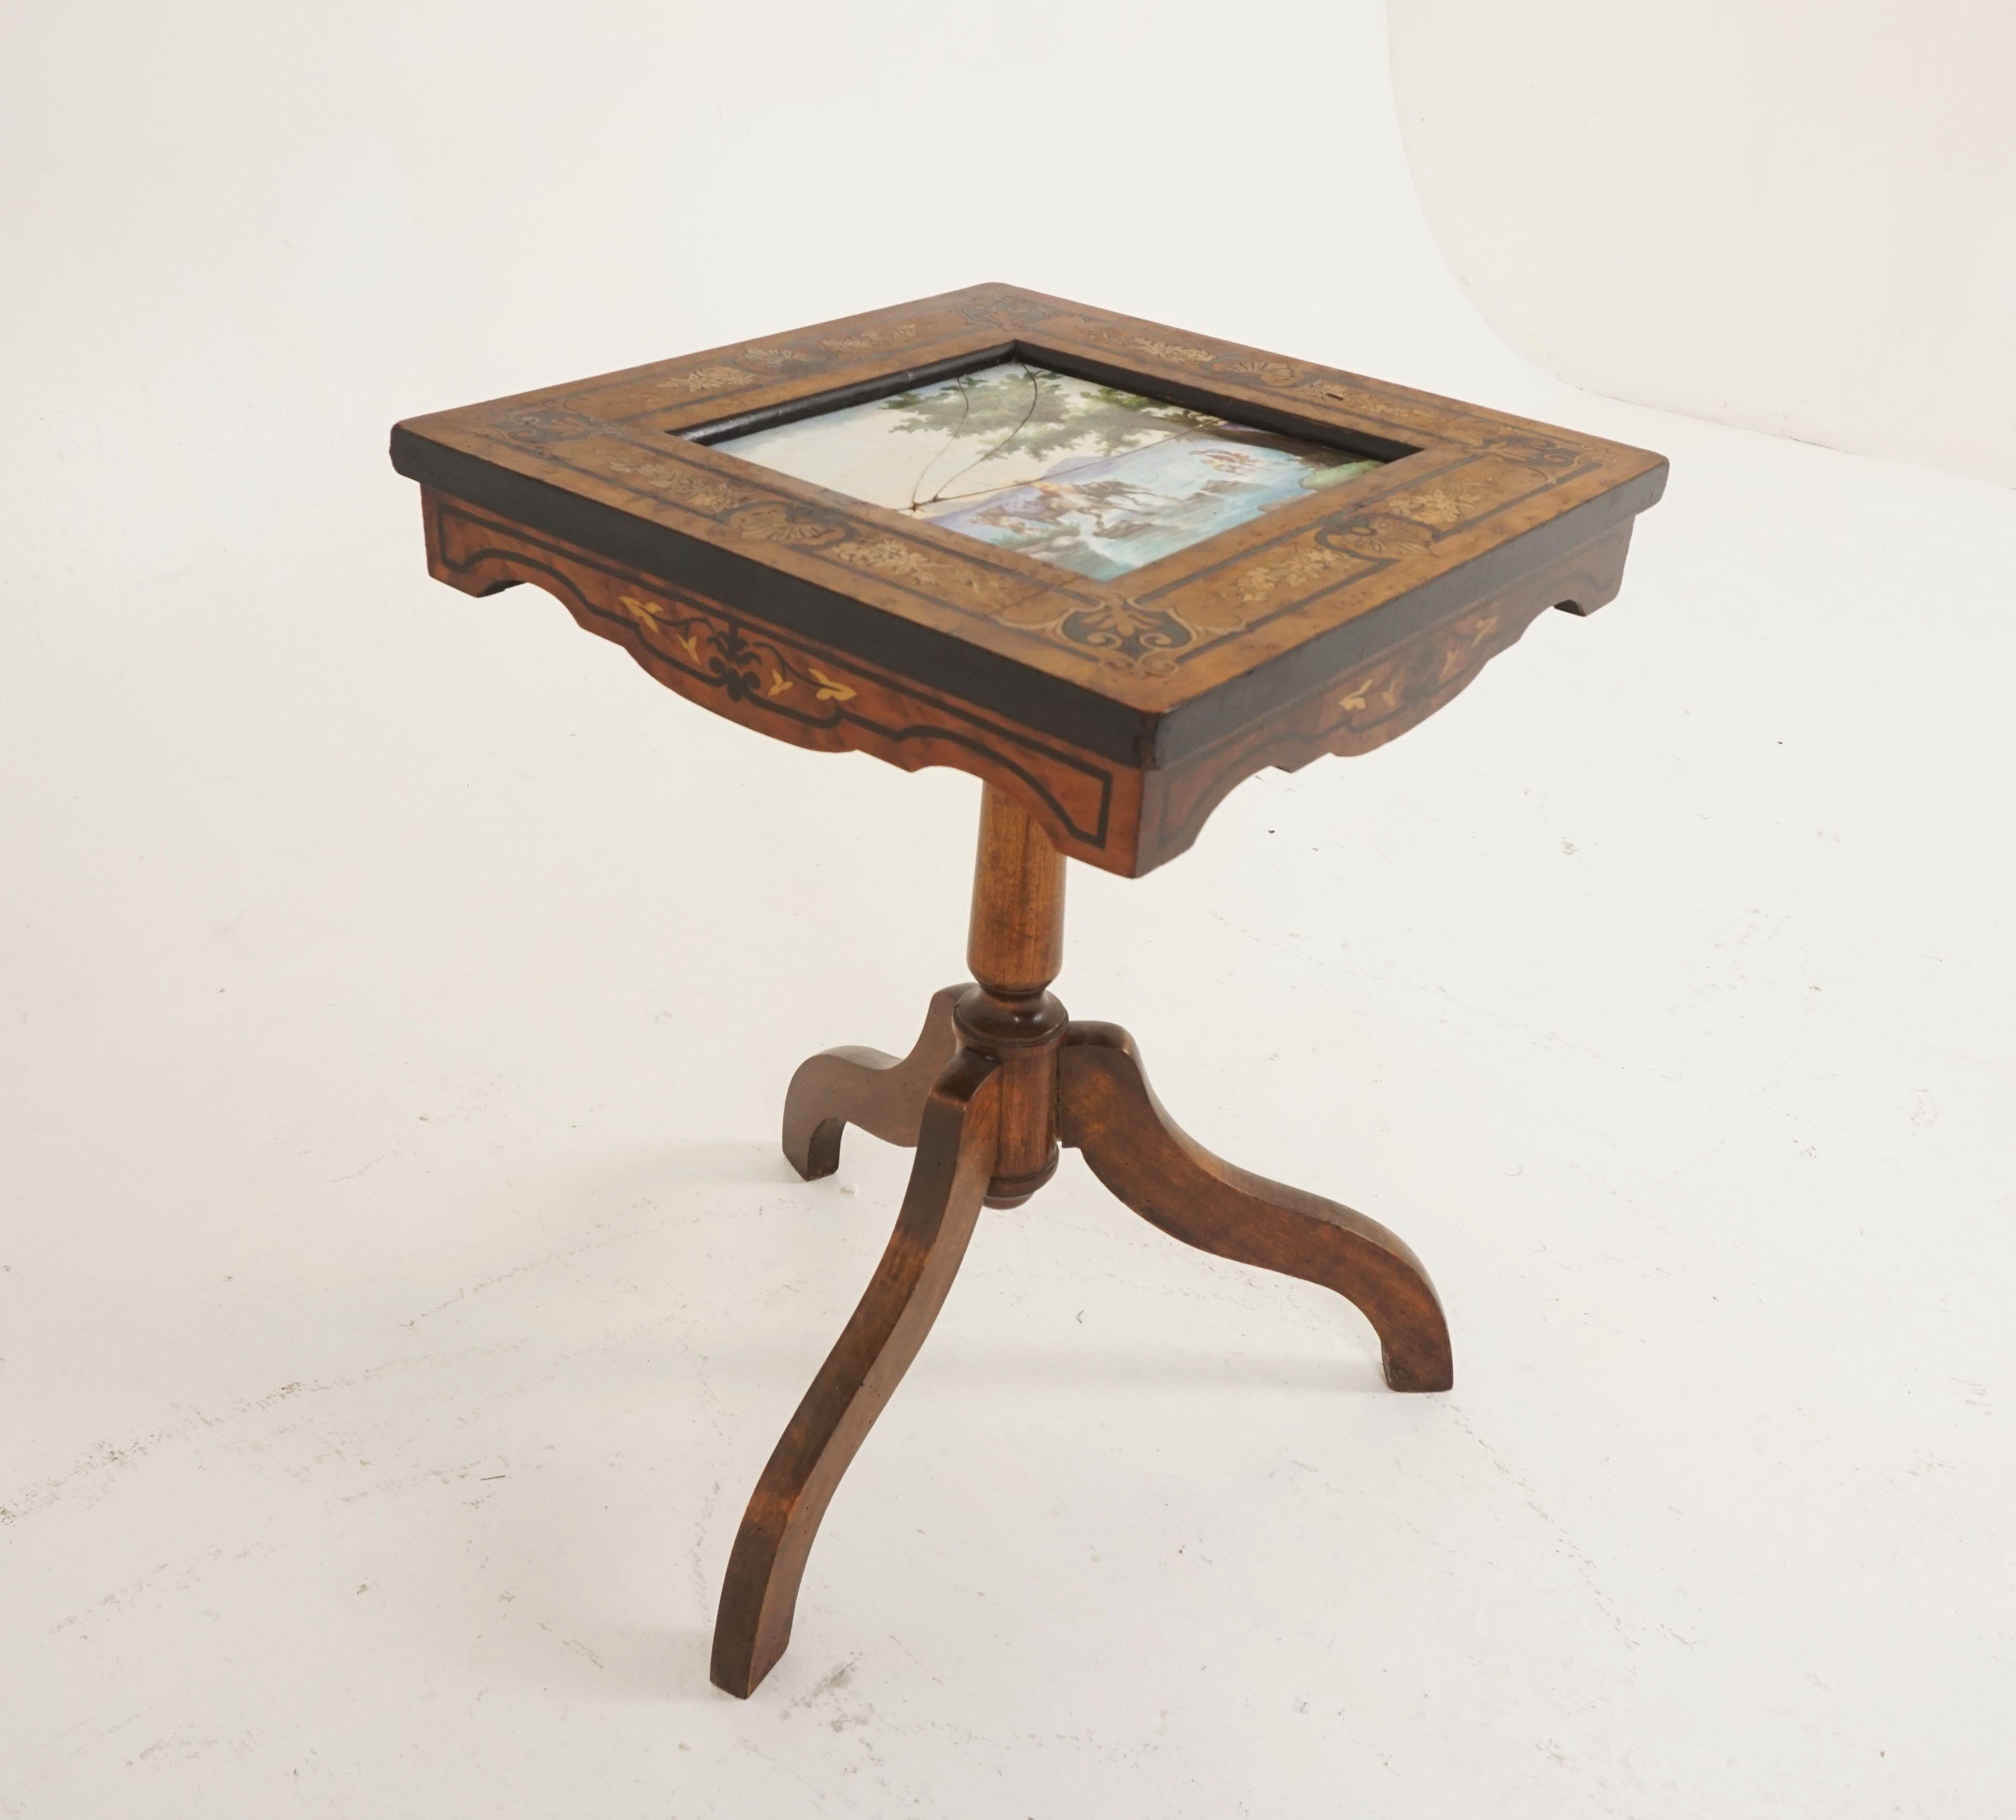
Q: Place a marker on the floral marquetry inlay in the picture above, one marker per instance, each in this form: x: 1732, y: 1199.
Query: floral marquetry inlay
x: 753, y: 673
x: 698, y: 380
x: 1149, y: 578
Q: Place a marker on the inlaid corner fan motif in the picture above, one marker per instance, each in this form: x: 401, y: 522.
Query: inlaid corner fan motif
x: 1097, y: 479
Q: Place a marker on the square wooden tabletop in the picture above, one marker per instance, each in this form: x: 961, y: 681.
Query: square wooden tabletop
x: 1330, y: 620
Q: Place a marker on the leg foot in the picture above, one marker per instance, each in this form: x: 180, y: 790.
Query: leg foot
x: 863, y: 1086
x: 956, y: 1146
x: 1110, y: 1112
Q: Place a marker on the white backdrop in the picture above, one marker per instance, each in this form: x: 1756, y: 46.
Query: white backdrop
x: 1799, y: 215
x: 399, y: 1287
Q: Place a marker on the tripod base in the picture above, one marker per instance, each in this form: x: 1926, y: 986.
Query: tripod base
x: 952, y: 1101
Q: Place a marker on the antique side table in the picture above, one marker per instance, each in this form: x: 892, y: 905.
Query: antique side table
x: 1112, y: 569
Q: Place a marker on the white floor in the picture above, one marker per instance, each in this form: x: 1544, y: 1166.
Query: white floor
x: 400, y: 1288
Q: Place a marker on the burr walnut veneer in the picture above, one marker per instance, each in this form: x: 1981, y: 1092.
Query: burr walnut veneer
x: 1105, y: 719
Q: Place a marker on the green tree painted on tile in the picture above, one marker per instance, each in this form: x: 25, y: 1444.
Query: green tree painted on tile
x: 1037, y: 413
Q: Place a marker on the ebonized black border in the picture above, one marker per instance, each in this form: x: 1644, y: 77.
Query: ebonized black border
x: 863, y: 391
x: 1033, y: 352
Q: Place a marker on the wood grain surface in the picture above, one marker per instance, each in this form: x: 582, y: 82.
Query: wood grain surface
x: 1145, y: 668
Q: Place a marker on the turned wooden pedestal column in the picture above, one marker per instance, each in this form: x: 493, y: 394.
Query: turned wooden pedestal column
x: 1015, y: 945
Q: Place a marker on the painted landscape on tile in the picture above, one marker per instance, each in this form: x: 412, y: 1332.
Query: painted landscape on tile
x: 1097, y: 479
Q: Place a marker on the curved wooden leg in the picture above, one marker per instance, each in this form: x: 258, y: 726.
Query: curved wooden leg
x: 1110, y: 1112
x: 954, y: 1160
x: 841, y: 1087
